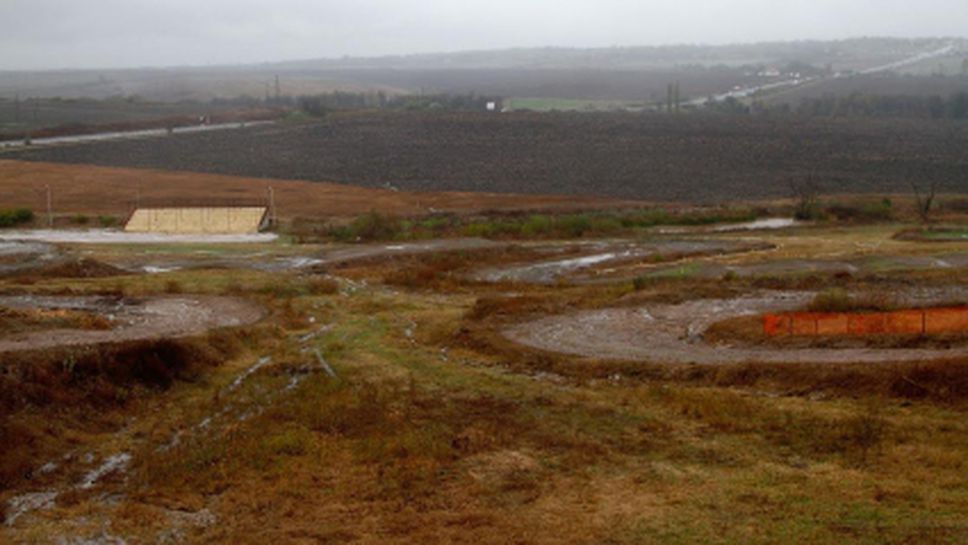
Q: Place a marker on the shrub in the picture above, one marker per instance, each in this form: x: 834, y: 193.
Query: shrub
x: 832, y: 300
x: 107, y: 221
x: 17, y: 216
x: 575, y: 225
x: 956, y: 205
x: 322, y: 286
x: 869, y: 212
x: 173, y: 286
x: 370, y: 227
x: 80, y: 219
x: 640, y: 283
x: 537, y: 225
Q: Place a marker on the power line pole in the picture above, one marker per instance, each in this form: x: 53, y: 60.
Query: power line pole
x: 278, y: 89
x: 50, y: 207
x: 272, y: 206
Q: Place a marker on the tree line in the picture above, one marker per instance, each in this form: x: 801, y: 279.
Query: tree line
x: 321, y: 104
x: 864, y: 105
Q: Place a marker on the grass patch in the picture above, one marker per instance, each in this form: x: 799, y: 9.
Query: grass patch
x: 15, y: 217
x: 375, y: 226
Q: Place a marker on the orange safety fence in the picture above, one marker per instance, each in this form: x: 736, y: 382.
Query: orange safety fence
x: 901, y: 322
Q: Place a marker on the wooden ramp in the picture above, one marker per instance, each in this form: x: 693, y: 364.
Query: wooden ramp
x: 228, y: 220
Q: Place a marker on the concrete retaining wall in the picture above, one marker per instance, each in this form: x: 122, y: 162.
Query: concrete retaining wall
x: 901, y: 322
x: 230, y: 220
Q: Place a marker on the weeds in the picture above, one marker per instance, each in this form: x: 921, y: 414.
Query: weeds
x: 174, y: 287
x: 15, y: 217
x: 378, y: 227
x: 832, y: 300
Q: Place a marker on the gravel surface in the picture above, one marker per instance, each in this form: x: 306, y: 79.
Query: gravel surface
x: 153, y: 318
x: 673, y: 333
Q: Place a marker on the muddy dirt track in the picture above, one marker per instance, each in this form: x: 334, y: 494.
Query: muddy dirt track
x: 132, y: 319
x: 662, y: 333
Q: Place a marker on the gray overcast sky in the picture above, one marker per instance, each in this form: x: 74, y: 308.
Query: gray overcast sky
x: 37, y: 34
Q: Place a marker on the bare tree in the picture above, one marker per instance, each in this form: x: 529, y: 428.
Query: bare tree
x: 925, y: 201
x: 806, y: 197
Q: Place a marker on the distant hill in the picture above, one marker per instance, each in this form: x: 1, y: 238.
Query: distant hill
x: 639, y: 74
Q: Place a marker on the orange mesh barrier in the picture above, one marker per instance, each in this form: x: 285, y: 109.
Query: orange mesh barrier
x: 901, y: 322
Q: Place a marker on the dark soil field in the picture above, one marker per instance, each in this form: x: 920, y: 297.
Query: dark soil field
x: 695, y: 158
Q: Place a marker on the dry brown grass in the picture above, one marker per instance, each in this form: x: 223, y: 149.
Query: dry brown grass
x: 91, y: 190
x: 72, y: 384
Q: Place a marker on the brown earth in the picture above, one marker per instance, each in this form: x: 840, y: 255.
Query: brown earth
x: 81, y: 189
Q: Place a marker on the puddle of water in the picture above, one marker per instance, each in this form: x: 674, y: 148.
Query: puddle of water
x: 248, y: 373
x: 108, y: 236
x: 32, y: 501
x: 118, y: 462
x: 548, y: 271
x: 769, y: 223
x: 152, y: 269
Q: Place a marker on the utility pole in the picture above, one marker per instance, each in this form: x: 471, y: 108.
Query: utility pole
x: 669, y: 98
x: 267, y: 91
x: 16, y: 108
x: 50, y: 207
x: 278, y: 89
x: 271, y: 194
x: 678, y: 98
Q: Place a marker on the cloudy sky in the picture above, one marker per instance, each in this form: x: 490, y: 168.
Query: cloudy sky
x: 44, y: 34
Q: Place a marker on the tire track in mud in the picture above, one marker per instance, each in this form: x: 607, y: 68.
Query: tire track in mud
x: 662, y: 333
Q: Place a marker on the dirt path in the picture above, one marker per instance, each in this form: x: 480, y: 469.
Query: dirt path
x: 153, y: 318
x: 673, y: 333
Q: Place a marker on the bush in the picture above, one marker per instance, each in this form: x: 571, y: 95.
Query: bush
x: 640, y: 283
x: 537, y: 225
x: 174, y: 286
x: 575, y: 225
x: 80, y: 219
x: 322, y: 286
x: 17, y: 216
x: 373, y: 226
x: 866, y: 212
x: 107, y: 221
x: 832, y: 300
x: 956, y: 205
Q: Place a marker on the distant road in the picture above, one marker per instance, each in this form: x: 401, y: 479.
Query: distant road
x: 747, y: 92
x: 124, y: 135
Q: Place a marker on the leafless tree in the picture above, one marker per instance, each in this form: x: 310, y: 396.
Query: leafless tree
x: 925, y: 200
x: 806, y: 196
